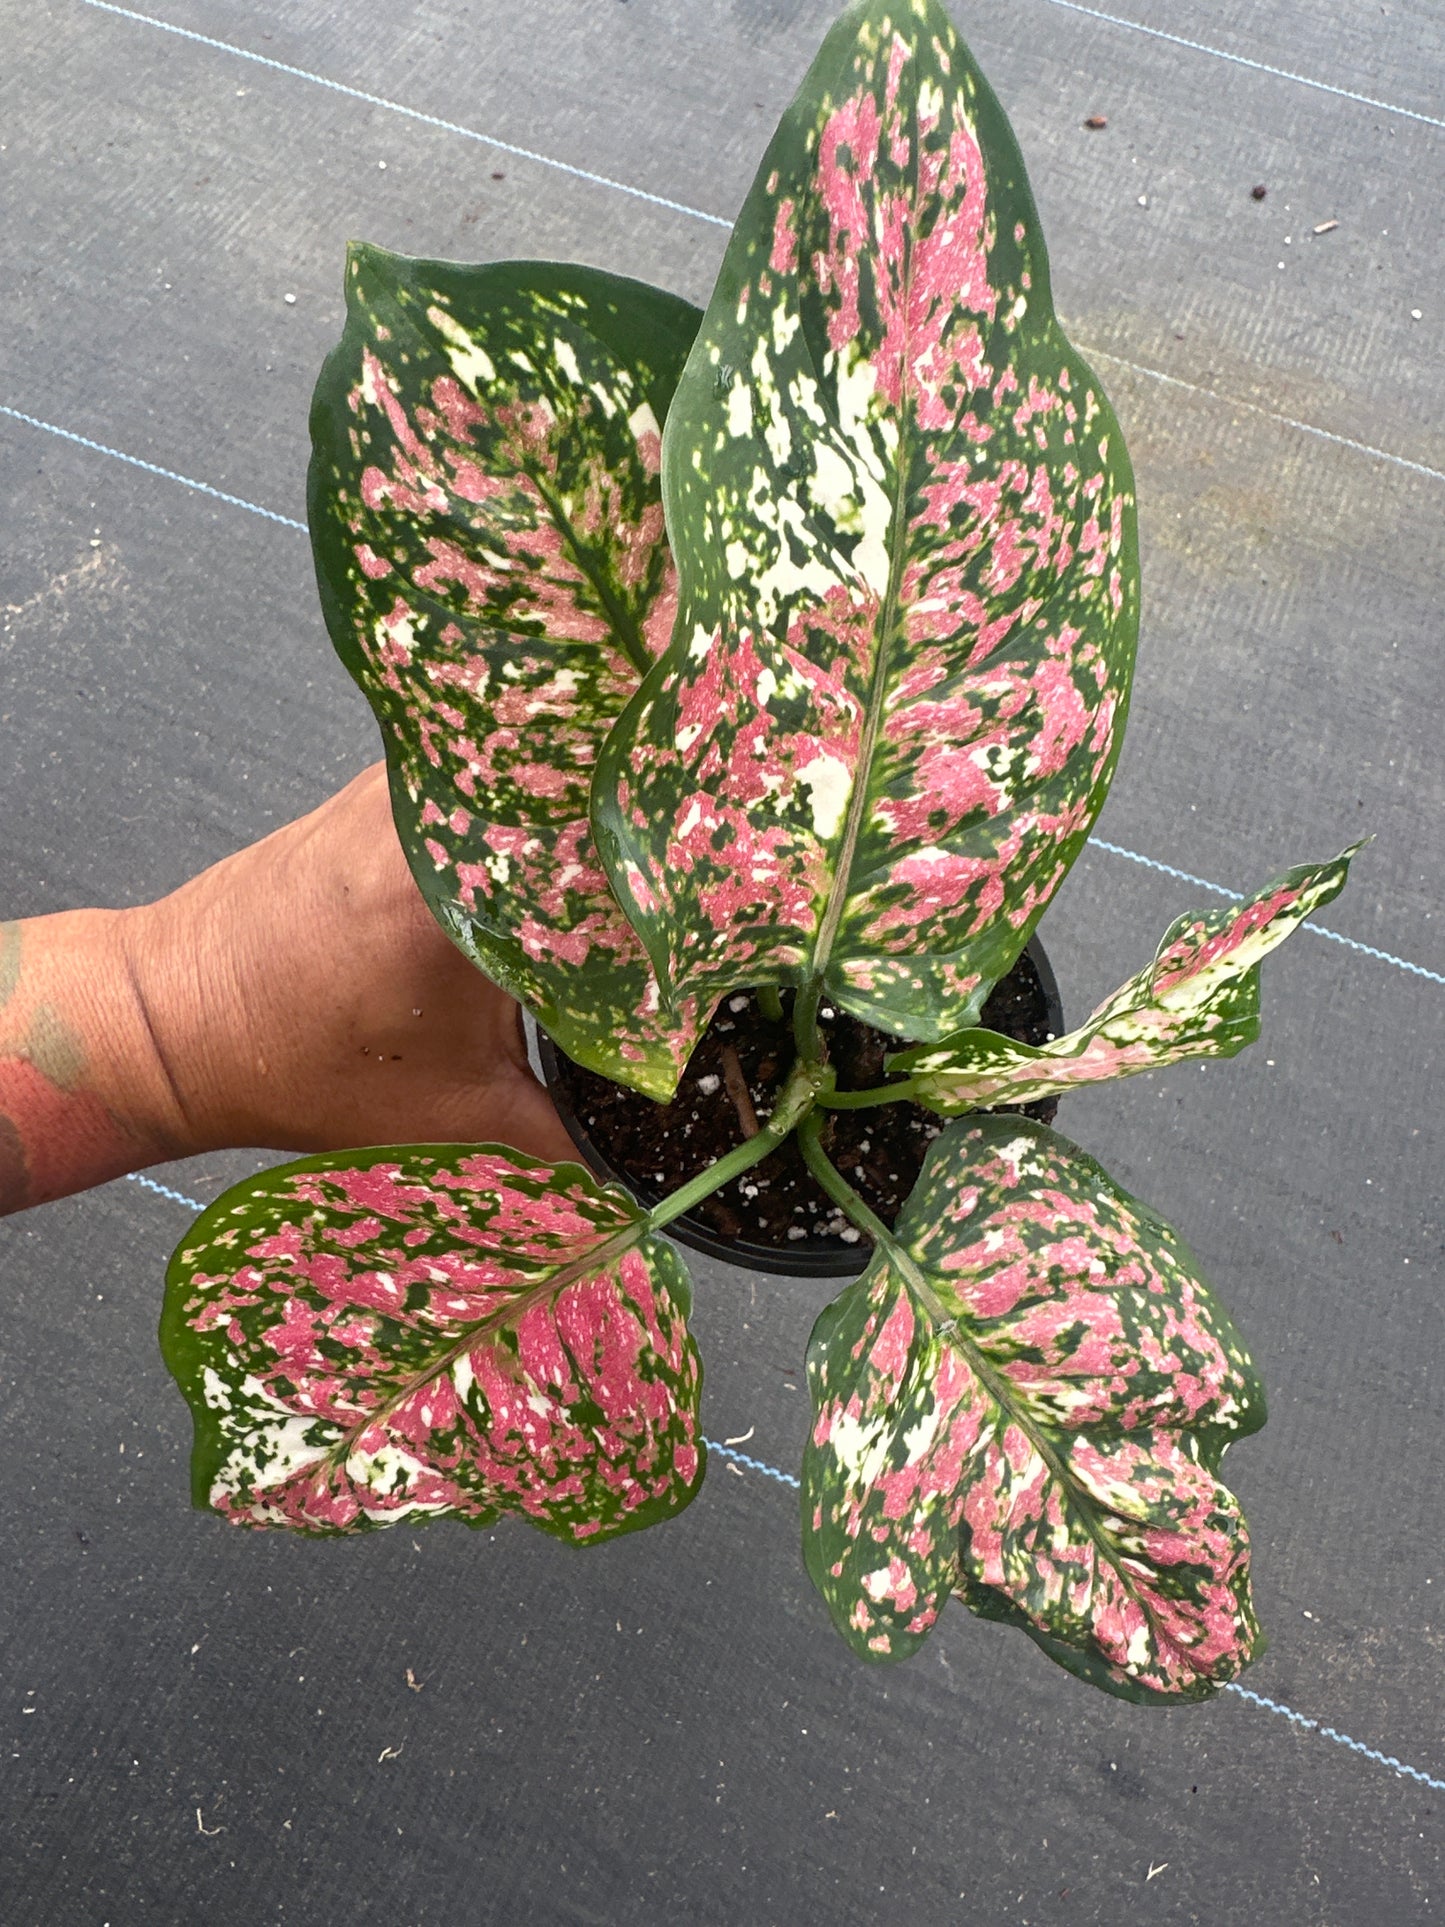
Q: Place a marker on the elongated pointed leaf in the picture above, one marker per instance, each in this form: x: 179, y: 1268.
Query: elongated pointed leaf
x: 1026, y: 1396
x: 904, y: 524
x: 486, y: 515
x: 391, y: 1335
x: 1198, y: 998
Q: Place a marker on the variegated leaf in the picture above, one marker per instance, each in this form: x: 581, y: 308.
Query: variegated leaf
x: 385, y: 1336
x: 904, y: 524
x: 1199, y: 998
x: 486, y: 515
x: 1027, y: 1395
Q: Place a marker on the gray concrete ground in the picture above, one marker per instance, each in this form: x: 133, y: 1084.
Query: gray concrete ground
x: 664, y: 1729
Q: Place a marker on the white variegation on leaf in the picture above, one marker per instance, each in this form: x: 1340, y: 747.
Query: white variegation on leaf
x: 486, y: 515
x: 840, y: 718
x: 389, y: 1336
x: 1198, y: 998
x: 1026, y: 1398
x: 903, y: 518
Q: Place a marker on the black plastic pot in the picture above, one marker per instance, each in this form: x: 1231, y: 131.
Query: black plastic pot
x: 822, y: 1257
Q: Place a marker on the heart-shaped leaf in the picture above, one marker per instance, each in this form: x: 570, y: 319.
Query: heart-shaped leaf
x: 1199, y: 998
x: 904, y: 526
x: 486, y: 516
x: 434, y: 1330
x: 1027, y: 1395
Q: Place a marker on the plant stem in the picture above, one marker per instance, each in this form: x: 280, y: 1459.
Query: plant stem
x: 810, y: 1142
x: 770, y: 1002
x: 895, y: 1093
x: 805, y: 1023
x: 795, y: 1100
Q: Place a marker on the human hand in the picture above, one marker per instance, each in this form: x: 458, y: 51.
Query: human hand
x: 302, y: 997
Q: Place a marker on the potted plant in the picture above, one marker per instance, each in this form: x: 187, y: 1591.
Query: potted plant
x: 748, y: 683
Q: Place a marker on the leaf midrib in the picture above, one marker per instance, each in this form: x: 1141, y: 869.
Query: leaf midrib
x: 496, y: 626
x: 950, y: 1327
x: 601, y: 1257
x: 624, y: 627
x: 887, y: 628
x: 873, y: 723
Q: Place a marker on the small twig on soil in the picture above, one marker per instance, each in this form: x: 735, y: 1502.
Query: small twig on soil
x: 738, y: 1090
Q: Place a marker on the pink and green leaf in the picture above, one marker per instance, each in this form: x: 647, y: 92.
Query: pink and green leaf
x: 1025, y: 1398
x: 486, y: 516
x: 1198, y: 998
x: 903, y: 518
x: 386, y: 1336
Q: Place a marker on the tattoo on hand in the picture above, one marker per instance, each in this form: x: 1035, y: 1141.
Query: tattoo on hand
x: 51, y: 1123
x: 9, y: 961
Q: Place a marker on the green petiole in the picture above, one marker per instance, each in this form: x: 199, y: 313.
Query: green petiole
x: 770, y: 1002
x: 897, y: 1093
x: 811, y: 1048
x: 810, y: 1142
x: 795, y: 1101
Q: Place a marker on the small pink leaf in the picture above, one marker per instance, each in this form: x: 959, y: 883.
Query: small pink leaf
x: 486, y: 515
x: 428, y: 1331
x: 1198, y: 998
x: 904, y: 524
x: 1026, y: 1397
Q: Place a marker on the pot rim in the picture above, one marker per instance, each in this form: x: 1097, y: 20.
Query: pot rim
x: 823, y: 1257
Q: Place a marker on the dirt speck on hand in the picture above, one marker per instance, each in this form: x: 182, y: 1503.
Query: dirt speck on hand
x: 1258, y: 191
x: 1096, y: 121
